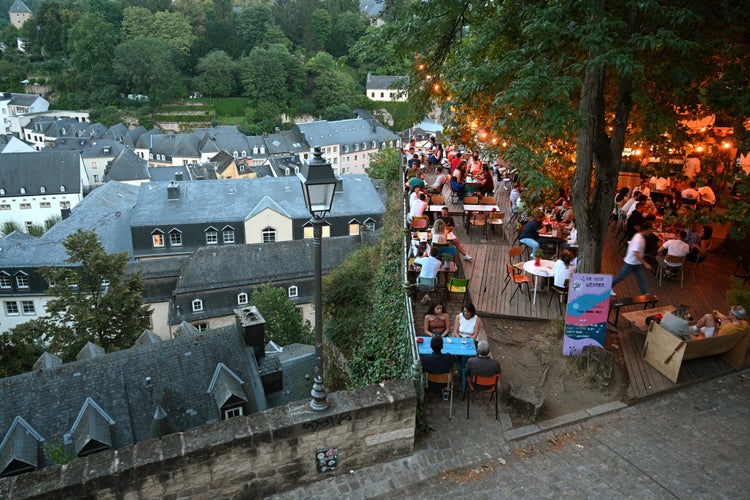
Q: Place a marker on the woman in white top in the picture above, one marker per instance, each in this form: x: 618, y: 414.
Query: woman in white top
x: 562, y: 270
x: 467, y: 323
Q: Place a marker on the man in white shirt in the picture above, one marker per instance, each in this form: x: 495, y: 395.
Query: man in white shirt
x: 661, y: 184
x: 634, y: 260
x: 707, y: 196
x: 691, y: 194
x: 675, y: 248
x: 430, y: 265
x: 692, y: 167
x: 418, y: 207
x: 440, y: 180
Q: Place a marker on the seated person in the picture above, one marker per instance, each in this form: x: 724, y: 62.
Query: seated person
x: 440, y: 180
x: 571, y: 242
x: 430, y: 265
x: 486, y: 184
x: 675, y: 248
x: 562, y: 196
x: 707, y: 196
x: 710, y: 324
x: 418, y: 207
x: 436, y: 156
x: 482, y: 365
x: 564, y: 213
x: 437, y: 362
x: 413, y: 166
x: 515, y: 195
x: 441, y: 235
x: 699, y: 250
x: 467, y: 323
x: 436, y: 321
x: 690, y: 196
x: 416, y: 180
x: 676, y: 322
x: 530, y: 233
x: 562, y: 270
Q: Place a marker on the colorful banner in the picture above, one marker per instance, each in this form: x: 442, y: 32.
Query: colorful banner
x: 587, y: 313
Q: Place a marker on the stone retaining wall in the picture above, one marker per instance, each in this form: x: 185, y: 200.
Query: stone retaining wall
x: 255, y: 455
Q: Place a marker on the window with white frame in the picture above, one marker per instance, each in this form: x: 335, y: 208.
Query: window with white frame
x: 175, y: 238
x: 201, y: 327
x: 23, y: 190
x: 62, y: 189
x: 233, y: 412
x: 242, y: 298
x: 227, y: 235
x: 157, y: 239
x: 42, y: 189
x: 22, y: 280
x: 25, y: 206
x: 64, y: 204
x: 269, y: 235
x: 293, y: 291
x: 370, y: 224
x: 45, y: 204
x: 5, y: 281
x: 27, y: 306
x: 11, y: 308
x: 212, y: 236
x: 5, y: 206
x: 197, y: 305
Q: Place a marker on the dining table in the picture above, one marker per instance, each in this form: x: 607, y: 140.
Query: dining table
x: 462, y: 348
x: 544, y: 269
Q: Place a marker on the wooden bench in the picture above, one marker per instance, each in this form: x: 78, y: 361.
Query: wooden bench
x: 666, y: 352
x: 617, y: 303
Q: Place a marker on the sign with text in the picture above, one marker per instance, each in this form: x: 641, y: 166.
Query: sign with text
x: 327, y: 460
x: 587, y: 313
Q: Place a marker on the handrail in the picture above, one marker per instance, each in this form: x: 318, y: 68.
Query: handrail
x: 411, y: 334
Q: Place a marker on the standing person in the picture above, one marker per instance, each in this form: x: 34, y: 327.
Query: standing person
x: 530, y: 233
x: 436, y: 322
x: 482, y: 365
x: 514, y: 196
x: 467, y: 323
x: 634, y: 260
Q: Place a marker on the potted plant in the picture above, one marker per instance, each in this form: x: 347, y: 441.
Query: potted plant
x: 538, y: 256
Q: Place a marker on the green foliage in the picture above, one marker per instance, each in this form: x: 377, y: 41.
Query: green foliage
x: 56, y: 450
x: 217, y: 75
x: 36, y: 230
x: 93, y: 299
x: 20, y: 348
x: 284, y: 324
x: 738, y: 294
x: 107, y: 116
x: 8, y: 227
x: 230, y: 106
x: 364, y: 304
x: 385, y: 164
x: 147, y: 66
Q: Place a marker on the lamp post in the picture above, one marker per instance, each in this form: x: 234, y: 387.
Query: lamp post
x: 318, y: 186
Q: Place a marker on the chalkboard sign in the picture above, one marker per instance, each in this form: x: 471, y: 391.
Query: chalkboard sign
x: 327, y: 460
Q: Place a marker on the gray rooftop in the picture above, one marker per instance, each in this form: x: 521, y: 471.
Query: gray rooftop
x: 236, y: 199
x: 31, y: 172
x: 353, y: 131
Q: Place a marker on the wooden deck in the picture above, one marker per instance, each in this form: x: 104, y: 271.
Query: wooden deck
x: 487, y: 274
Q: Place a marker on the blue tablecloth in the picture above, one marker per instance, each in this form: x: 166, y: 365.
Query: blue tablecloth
x: 451, y: 345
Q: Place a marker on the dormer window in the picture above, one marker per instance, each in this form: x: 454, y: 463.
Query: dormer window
x: 2, y: 192
x: 346, y: 148
x: 244, y: 153
x: 197, y: 305
x: 42, y: 189
x: 255, y: 150
x: 157, y: 239
x: 62, y: 189
x: 293, y: 292
x: 175, y: 238
x: 22, y: 280
x: 23, y: 190
x: 5, y: 281
x: 212, y: 236
x: 234, y: 153
x: 242, y: 299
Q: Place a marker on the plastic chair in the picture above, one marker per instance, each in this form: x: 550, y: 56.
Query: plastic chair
x: 471, y: 200
x: 477, y: 384
x: 672, y: 264
x: 457, y: 285
x: 514, y: 252
x: 447, y: 380
x: 487, y: 200
x: 496, y: 219
x: 519, y: 280
x: 457, y: 191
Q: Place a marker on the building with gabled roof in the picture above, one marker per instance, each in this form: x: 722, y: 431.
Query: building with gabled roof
x: 387, y: 88
x: 13, y: 105
x: 19, y: 13
x: 127, y: 167
x: 107, y: 401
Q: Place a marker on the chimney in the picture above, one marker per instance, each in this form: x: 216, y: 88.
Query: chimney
x: 253, y: 329
x: 173, y: 191
x: 339, y: 185
x: 178, y: 175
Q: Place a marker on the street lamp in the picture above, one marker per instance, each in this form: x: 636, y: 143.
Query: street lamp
x: 318, y: 187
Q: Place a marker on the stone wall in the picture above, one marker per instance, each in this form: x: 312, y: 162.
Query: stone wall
x: 255, y: 455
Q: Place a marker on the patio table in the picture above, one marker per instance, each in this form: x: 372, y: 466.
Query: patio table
x: 544, y: 269
x: 455, y: 346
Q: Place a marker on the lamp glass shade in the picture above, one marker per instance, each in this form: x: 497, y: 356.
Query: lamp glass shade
x: 318, y: 184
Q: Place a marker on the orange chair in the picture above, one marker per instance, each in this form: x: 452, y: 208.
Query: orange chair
x: 479, y: 384
x: 478, y: 220
x: 445, y: 379
x: 519, y: 280
x: 420, y: 222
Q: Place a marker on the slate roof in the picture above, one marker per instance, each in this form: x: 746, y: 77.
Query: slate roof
x: 166, y: 174
x: 298, y: 365
x: 236, y: 265
x: 223, y: 138
x: 179, y: 373
x: 132, y: 136
x: 373, y: 8
x: 127, y: 166
x: 352, y: 131
x: 182, y: 145
x: 234, y: 199
x: 285, y: 142
x: 117, y: 132
x: 12, y: 144
x: 106, y: 210
x: 146, y: 139
x: 19, y: 7
x: 102, y: 148
x: 32, y: 171
x: 386, y: 82
x: 23, y: 99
